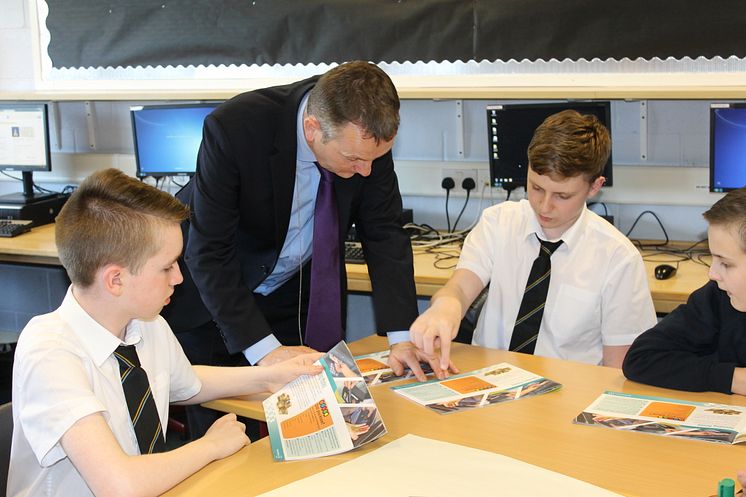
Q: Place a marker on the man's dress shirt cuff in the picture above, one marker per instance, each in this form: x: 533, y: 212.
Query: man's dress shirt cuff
x: 397, y: 337
x: 256, y: 352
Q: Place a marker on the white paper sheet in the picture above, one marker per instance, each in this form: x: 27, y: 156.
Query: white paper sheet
x: 415, y: 466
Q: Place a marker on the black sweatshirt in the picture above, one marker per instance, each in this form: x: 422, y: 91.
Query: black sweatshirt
x: 695, y: 348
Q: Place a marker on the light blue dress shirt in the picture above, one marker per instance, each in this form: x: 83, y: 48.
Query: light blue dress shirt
x: 297, y: 248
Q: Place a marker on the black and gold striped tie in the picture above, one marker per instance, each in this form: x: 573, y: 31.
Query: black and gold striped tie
x: 526, y: 328
x: 140, y: 403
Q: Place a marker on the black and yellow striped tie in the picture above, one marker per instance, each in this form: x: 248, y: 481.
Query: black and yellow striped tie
x: 140, y: 403
x: 526, y: 329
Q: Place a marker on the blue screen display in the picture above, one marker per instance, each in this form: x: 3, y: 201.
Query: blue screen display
x: 167, y: 138
x: 727, y: 148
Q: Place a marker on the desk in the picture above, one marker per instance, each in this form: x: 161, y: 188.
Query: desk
x: 667, y: 294
x: 537, y: 430
x: 37, y: 247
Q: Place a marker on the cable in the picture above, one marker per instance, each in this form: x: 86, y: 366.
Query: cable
x: 468, y: 185
x: 639, y: 244
x: 448, y: 184
x: 606, y: 211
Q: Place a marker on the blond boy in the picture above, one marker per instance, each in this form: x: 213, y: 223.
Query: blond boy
x: 74, y: 433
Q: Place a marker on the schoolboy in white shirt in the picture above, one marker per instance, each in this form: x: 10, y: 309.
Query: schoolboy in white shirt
x: 73, y: 414
x: 597, y: 300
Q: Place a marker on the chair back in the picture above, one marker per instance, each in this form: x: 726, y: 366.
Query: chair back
x: 6, y: 435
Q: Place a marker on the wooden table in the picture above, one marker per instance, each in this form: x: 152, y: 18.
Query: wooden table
x: 537, y: 430
x: 37, y: 247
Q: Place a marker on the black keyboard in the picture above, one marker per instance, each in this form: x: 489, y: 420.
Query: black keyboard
x: 354, y: 253
x: 10, y: 228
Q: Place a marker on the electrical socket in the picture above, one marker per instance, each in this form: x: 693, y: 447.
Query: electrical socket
x: 484, y: 178
x: 459, y: 175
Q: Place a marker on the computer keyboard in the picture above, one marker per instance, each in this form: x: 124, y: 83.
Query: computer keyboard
x: 354, y: 253
x: 12, y: 227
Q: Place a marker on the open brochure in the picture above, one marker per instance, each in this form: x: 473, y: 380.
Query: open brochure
x: 375, y: 368
x: 483, y: 387
x: 325, y: 414
x: 668, y: 417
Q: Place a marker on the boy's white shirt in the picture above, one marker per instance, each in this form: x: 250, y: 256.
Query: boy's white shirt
x: 598, y: 295
x: 64, y: 370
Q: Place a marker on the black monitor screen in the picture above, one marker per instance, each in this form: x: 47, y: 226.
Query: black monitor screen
x: 727, y: 147
x: 24, y: 137
x: 511, y: 127
x: 167, y: 138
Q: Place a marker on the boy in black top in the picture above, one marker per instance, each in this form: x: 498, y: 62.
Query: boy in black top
x: 701, y: 345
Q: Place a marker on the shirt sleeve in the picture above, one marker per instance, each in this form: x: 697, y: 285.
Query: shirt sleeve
x: 681, y: 351
x: 626, y: 304
x: 56, y: 393
x: 184, y: 382
x: 477, y: 254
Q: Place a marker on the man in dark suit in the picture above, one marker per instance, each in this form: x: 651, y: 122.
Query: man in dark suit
x: 248, y: 259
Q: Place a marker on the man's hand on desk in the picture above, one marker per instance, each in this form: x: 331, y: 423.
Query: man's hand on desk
x: 436, y: 328
x: 283, y: 353
x: 405, y: 354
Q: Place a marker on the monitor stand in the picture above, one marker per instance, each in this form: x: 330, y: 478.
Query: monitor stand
x: 28, y: 196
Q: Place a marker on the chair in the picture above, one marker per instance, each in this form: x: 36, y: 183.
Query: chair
x: 6, y: 435
x: 469, y: 322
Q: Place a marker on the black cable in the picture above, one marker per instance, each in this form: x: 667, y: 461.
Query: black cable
x: 665, y: 234
x: 606, y: 211
x: 448, y: 184
x: 11, y: 176
x: 507, y: 196
x: 468, y: 185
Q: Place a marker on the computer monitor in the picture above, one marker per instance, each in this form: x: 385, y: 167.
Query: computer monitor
x: 511, y: 127
x: 727, y: 147
x: 24, y: 146
x: 167, y: 137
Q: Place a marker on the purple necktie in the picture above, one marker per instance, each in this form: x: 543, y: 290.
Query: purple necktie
x: 324, y: 325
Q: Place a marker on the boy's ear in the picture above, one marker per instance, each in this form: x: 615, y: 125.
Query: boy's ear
x: 596, y: 185
x: 111, y: 278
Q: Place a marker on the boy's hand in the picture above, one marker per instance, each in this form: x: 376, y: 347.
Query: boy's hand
x: 227, y: 435
x: 282, y: 373
x: 283, y: 353
x: 436, y: 328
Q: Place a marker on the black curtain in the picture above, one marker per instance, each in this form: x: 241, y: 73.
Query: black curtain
x: 100, y: 33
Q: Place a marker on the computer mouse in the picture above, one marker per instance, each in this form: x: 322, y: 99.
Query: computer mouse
x: 664, y: 271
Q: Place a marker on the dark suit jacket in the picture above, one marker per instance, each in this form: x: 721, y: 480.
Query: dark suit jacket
x: 241, y: 197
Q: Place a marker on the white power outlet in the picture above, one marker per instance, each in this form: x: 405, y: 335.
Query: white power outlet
x: 459, y: 175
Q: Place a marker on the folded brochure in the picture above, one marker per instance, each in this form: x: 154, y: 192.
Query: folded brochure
x: 491, y: 385
x: 325, y: 414
x: 720, y: 423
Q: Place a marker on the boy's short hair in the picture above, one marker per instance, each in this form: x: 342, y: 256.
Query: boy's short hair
x: 568, y: 144
x: 112, y: 218
x: 730, y: 212
x: 356, y: 92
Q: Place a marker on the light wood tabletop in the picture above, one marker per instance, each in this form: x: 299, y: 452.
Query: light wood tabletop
x: 38, y: 247
x: 536, y: 430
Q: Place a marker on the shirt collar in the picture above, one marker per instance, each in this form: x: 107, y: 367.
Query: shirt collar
x: 97, y: 341
x: 304, y: 153
x: 569, y: 237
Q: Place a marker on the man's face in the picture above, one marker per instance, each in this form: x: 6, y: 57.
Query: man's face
x: 558, y: 203
x: 151, y: 288
x: 728, y: 267
x: 348, y: 153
